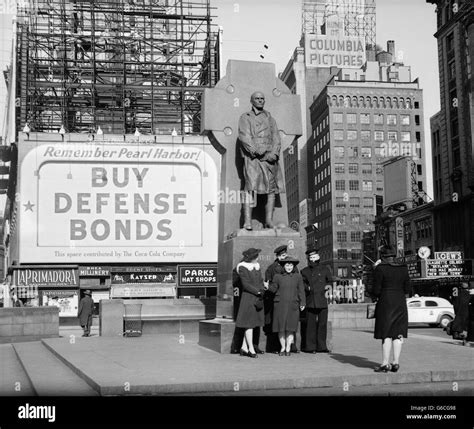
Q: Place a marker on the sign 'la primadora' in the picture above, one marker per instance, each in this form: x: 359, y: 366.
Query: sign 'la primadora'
x: 96, y: 203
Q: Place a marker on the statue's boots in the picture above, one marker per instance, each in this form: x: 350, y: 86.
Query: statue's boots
x: 247, y: 217
x: 269, y: 211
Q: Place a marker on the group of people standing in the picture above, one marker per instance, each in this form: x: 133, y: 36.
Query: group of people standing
x: 276, y: 302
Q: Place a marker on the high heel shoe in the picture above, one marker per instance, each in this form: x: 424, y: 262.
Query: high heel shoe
x: 242, y: 352
x: 252, y: 355
x: 382, y: 368
x: 282, y: 353
x: 395, y: 367
x: 287, y: 353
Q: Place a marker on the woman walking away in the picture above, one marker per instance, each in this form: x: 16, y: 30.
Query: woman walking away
x: 250, y: 313
x: 289, y: 299
x: 391, y: 284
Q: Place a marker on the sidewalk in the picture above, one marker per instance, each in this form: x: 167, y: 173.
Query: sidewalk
x: 161, y: 364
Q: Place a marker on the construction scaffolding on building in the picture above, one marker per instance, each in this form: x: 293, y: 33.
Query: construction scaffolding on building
x: 358, y: 17
x: 119, y: 66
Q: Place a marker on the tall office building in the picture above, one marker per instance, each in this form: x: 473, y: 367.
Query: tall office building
x: 335, y: 33
x: 362, y: 117
x: 452, y: 128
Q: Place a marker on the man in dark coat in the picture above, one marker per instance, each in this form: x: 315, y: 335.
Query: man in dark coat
x: 316, y: 277
x: 260, y: 146
x: 273, y: 344
x: 86, y: 308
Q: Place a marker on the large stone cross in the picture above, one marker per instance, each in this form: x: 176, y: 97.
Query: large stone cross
x: 221, y: 110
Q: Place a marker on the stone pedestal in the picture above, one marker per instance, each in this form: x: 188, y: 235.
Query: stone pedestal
x: 217, y: 334
x: 111, y: 317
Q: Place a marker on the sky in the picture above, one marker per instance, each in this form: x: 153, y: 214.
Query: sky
x: 250, y: 24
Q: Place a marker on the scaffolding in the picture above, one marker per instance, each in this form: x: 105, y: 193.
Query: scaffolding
x: 357, y: 16
x: 121, y: 65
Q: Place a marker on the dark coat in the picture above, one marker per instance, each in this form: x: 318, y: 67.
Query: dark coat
x: 289, y: 296
x: 316, y: 279
x: 461, y: 311
x: 86, y: 308
x: 252, y: 289
x: 260, y: 139
x: 391, y: 283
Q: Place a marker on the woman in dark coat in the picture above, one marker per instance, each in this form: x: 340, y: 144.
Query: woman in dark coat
x: 289, y: 299
x: 391, y: 284
x: 250, y: 313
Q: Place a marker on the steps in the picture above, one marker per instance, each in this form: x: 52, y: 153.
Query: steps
x: 47, y: 374
x: 13, y: 380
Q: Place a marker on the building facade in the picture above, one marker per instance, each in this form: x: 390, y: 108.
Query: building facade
x: 452, y: 128
x: 362, y: 118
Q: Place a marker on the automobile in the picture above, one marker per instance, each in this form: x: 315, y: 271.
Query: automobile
x: 431, y: 310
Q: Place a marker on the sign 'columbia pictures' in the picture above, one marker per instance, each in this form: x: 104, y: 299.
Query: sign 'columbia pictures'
x: 91, y: 203
x: 334, y: 48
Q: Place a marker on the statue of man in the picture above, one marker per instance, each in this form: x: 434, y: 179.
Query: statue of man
x: 260, y: 148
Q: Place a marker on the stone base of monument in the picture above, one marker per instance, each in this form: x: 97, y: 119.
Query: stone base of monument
x: 218, y: 334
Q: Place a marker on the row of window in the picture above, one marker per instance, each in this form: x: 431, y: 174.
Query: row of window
x: 321, y: 159
x: 364, y: 151
x: 320, y: 193
x: 379, y: 136
x: 354, y: 202
x: 378, y: 119
x: 372, y: 102
x: 341, y: 236
x: 354, y: 185
x: 323, y: 207
x: 322, y: 175
x: 356, y: 255
x: 355, y: 219
x: 321, y: 143
x: 323, y: 124
x: 354, y: 168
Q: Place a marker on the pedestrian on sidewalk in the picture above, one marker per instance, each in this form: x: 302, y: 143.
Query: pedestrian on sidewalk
x: 459, y: 326
x: 16, y: 301
x: 289, y: 300
x: 391, y: 286
x: 273, y: 343
x: 250, y: 313
x: 316, y: 277
x: 86, y: 308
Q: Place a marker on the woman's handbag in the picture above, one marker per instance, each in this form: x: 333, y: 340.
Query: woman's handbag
x: 371, y: 311
x: 259, y: 303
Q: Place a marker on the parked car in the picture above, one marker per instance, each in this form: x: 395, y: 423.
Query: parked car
x: 431, y: 310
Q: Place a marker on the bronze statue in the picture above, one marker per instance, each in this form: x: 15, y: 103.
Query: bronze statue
x: 260, y: 148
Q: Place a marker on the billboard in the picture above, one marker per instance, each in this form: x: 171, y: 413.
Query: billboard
x: 397, y: 181
x: 93, y: 203
x: 334, y: 51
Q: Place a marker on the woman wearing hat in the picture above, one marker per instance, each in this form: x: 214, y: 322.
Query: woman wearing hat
x: 250, y: 313
x: 391, y: 284
x: 289, y: 300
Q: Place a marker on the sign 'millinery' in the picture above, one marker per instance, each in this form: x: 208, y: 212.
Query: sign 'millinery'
x: 86, y: 202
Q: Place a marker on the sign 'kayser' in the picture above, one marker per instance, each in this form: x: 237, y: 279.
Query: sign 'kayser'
x: 89, y: 202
